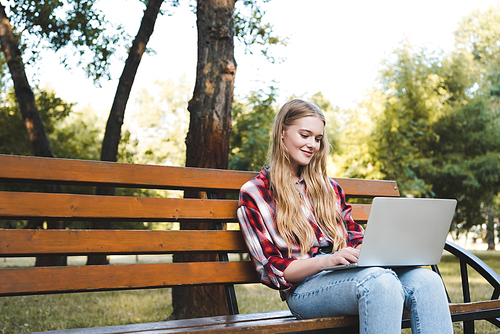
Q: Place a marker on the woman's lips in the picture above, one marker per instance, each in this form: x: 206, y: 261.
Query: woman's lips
x: 307, y: 153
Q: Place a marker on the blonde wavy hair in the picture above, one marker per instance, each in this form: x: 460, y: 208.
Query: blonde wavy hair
x: 292, y: 223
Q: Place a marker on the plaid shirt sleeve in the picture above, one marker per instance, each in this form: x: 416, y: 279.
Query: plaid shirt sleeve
x: 266, y: 247
x: 355, y: 231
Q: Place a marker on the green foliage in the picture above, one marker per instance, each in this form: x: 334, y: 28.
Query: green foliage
x: 466, y: 162
x: 433, y: 123
x: 252, y: 124
x: 75, y: 26
x: 413, y: 99
x: 479, y: 33
x: 332, y: 114
x: 161, y: 123
x: 353, y: 158
x: 3, y: 70
x: 434, y: 128
x: 78, y: 136
x: 75, y: 135
x: 251, y: 29
x: 13, y: 135
x: 479, y: 36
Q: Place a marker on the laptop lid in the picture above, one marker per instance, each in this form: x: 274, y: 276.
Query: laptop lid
x: 406, y: 231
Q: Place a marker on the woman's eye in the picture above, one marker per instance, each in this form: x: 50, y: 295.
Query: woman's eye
x: 303, y: 136
x: 318, y: 140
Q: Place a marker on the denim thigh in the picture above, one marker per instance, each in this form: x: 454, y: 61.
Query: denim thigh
x: 336, y: 293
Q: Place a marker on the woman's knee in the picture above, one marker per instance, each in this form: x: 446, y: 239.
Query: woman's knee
x: 421, y: 278
x: 383, y: 283
x: 422, y: 283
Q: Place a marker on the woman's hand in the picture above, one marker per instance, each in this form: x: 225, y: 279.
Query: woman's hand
x: 344, y: 256
x: 298, y: 270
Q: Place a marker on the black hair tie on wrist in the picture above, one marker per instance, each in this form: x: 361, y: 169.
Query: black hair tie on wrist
x: 326, y: 249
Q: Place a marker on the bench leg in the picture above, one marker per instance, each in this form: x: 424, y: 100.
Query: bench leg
x: 468, y: 325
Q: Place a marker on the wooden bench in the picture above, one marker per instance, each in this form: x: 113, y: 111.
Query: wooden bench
x: 77, y: 207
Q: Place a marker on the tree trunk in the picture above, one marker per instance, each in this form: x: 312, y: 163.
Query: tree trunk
x: 31, y: 117
x: 490, y: 228
x: 112, y: 136
x: 24, y: 95
x: 208, y: 137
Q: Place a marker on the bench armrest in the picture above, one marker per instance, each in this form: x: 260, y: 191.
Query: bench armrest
x: 467, y: 258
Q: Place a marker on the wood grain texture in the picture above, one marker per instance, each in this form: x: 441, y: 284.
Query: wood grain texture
x: 476, y: 306
x: 43, y: 280
x: 34, y: 242
x: 82, y: 207
x: 368, y: 188
x: 82, y: 172
x: 265, y: 322
x: 24, y: 205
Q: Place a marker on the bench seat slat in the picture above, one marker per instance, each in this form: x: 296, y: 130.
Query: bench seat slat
x: 44, y: 280
x: 35, y: 242
x: 265, y: 322
x: 113, y: 174
x: 22, y: 205
x: 475, y: 306
x: 346, y: 324
x: 176, y: 324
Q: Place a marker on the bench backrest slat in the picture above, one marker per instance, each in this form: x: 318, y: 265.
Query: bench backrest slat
x: 368, y: 188
x: 92, y: 173
x: 22, y: 205
x: 84, y: 242
x: 25, y: 281
x: 80, y: 207
x: 82, y: 172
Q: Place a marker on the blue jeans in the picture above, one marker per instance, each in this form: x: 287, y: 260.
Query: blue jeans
x: 378, y: 296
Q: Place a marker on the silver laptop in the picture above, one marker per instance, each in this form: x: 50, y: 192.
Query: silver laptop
x: 404, y: 232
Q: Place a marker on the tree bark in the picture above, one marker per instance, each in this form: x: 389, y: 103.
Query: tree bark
x: 24, y: 95
x: 31, y: 117
x: 490, y: 228
x: 207, y: 142
x: 112, y: 135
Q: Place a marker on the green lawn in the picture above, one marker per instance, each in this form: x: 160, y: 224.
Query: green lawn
x: 50, y: 312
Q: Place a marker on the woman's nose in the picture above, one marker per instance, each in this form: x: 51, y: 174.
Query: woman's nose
x: 311, y: 143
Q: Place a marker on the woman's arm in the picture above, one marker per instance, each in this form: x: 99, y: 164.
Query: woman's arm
x: 298, y: 270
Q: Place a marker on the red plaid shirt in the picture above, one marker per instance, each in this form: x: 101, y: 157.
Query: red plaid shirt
x: 269, y: 251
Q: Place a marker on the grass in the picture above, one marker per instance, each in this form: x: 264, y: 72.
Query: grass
x: 80, y: 310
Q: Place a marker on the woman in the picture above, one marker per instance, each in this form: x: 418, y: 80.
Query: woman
x: 295, y: 221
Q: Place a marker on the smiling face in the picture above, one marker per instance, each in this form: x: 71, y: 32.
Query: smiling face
x: 303, y: 139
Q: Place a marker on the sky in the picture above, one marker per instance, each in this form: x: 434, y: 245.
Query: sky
x: 334, y: 46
